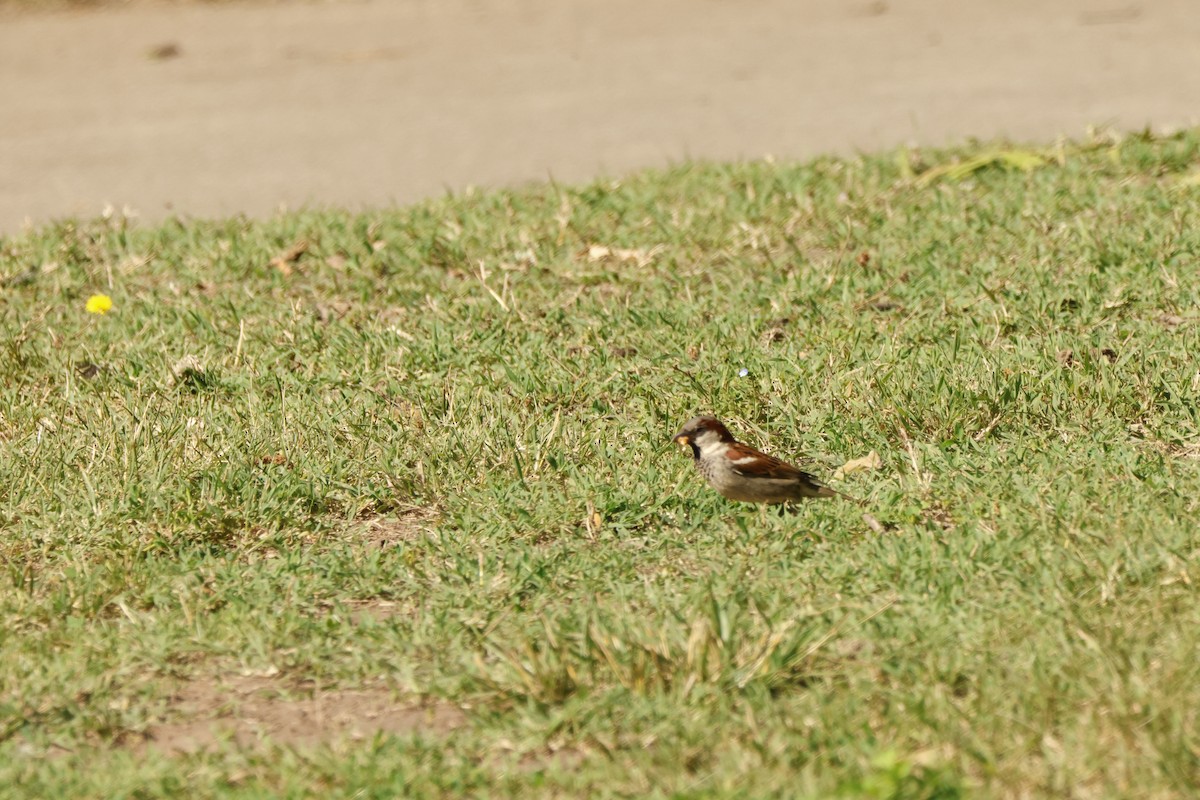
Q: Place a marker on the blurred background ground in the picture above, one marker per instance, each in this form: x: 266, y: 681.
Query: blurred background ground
x: 220, y: 108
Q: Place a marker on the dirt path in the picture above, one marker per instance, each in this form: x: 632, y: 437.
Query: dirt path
x: 366, y: 103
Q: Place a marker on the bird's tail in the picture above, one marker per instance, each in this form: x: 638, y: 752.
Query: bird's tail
x: 825, y: 491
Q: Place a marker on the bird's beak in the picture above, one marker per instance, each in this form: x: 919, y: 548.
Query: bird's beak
x: 681, y: 438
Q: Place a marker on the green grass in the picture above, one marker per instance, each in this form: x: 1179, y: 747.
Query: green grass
x: 1018, y: 346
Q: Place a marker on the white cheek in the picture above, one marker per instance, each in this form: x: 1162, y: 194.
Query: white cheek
x: 709, y: 443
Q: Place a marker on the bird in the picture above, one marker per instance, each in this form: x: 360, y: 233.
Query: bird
x: 739, y: 472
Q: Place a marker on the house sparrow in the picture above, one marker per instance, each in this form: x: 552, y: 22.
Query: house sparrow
x: 742, y: 473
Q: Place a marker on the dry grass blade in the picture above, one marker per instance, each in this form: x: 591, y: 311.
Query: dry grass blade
x: 1022, y: 160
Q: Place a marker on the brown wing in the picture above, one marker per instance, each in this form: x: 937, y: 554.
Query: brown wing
x: 753, y: 464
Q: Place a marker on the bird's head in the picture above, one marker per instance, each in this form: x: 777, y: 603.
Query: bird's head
x: 703, y: 433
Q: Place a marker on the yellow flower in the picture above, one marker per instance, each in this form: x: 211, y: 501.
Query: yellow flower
x: 99, y: 304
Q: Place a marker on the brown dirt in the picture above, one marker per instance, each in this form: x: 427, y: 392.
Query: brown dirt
x: 241, y: 108
x: 402, y: 528
x: 247, y: 710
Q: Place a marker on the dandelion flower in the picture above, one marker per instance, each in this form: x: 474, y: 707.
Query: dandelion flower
x: 99, y: 304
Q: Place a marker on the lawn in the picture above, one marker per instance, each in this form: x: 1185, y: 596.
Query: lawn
x: 375, y: 504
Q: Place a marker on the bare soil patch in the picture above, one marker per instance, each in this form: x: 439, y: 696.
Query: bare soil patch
x: 401, y: 528
x: 248, y: 710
